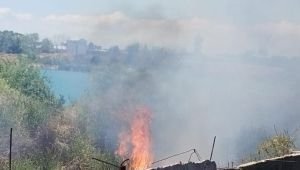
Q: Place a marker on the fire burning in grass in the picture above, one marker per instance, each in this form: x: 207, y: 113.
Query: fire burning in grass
x: 135, y: 143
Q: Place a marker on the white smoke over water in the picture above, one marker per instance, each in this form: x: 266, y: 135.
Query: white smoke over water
x: 232, y: 82
x: 194, y: 98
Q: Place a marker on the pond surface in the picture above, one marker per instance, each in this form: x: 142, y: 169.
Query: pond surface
x: 70, y: 84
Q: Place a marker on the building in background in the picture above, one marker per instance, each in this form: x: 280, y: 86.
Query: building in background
x: 77, y: 48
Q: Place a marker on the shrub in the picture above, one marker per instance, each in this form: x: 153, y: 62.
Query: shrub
x: 277, y: 145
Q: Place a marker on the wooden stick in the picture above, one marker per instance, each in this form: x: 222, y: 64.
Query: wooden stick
x: 212, y: 149
x: 10, y: 146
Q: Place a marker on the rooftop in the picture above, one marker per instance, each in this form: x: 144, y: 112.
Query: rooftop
x: 294, y: 154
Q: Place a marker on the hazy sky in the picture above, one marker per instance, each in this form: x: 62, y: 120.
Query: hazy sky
x: 213, y: 27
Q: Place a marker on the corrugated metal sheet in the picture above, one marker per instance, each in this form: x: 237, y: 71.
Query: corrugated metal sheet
x: 286, y: 162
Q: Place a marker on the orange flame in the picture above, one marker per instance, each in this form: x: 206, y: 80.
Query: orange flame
x: 136, y: 144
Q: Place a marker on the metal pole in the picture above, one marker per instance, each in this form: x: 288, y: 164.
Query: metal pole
x: 10, y: 146
x: 108, y: 163
x: 212, y: 149
x: 173, y: 156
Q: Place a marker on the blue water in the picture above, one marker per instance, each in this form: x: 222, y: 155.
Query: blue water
x: 72, y: 85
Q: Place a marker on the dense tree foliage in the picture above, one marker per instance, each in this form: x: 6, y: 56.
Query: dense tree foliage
x: 10, y: 42
x: 46, y: 46
x: 29, y: 44
x: 47, y: 134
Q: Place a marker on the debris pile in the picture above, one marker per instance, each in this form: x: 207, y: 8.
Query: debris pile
x: 205, y: 165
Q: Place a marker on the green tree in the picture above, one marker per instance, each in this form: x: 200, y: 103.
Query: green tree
x: 46, y: 46
x: 10, y: 42
x: 29, y: 81
x: 29, y: 44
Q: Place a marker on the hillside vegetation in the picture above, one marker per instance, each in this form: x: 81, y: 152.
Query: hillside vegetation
x: 46, y: 134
